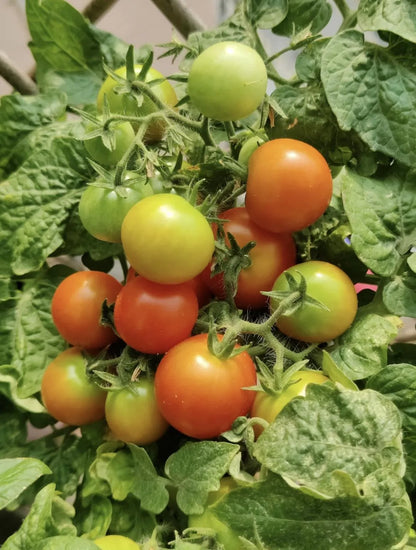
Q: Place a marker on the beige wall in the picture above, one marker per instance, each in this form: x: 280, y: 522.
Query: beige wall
x: 135, y: 21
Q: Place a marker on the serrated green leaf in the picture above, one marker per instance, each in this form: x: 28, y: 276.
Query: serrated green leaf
x: 196, y: 469
x: 16, y: 474
x: 362, y: 350
x: 21, y: 115
x: 266, y: 14
x: 382, y: 215
x: 304, y: 14
x: 372, y: 90
x: 397, y: 16
x: 332, y: 430
x: 399, y: 295
x: 28, y: 338
x: 284, y: 518
x: 67, y: 54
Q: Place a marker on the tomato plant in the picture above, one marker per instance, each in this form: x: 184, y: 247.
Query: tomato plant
x: 289, y: 185
x: 166, y: 239
x: 129, y: 105
x: 272, y: 254
x: 151, y: 317
x: 227, y: 81
x: 116, y: 542
x: 249, y: 146
x: 132, y: 413
x: 103, y: 209
x: 76, y: 308
x: 267, y: 405
x: 108, y: 154
x: 200, y: 394
x: 332, y: 288
x: 67, y: 392
x: 208, y: 520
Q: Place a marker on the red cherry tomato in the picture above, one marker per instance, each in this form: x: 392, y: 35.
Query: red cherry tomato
x: 76, y: 308
x: 289, y: 185
x: 272, y: 254
x: 151, y: 317
x: 200, y: 394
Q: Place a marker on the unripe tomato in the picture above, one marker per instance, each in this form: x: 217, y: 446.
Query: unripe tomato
x: 67, y: 392
x: 268, y: 406
x: 227, y: 81
x: 132, y: 413
x: 128, y: 105
x: 289, y: 185
x: 76, y: 308
x: 123, y: 135
x: 331, y: 287
x: 166, y: 239
x: 102, y: 210
x: 116, y: 542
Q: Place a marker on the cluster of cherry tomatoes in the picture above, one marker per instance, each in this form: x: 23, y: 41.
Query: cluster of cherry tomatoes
x: 170, y: 247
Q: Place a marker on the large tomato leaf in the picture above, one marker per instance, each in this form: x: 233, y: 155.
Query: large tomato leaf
x: 395, y: 16
x: 382, y: 214
x: 331, y: 440
x: 372, y: 90
x: 16, y: 474
x: 283, y: 518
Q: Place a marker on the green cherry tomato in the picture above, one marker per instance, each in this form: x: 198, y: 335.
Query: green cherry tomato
x: 132, y: 413
x: 331, y: 287
x: 128, y: 105
x: 268, y: 406
x: 102, y: 210
x: 123, y: 135
x: 249, y: 146
x: 227, y: 81
x: 208, y: 520
x: 166, y: 239
x: 116, y: 542
x: 67, y: 392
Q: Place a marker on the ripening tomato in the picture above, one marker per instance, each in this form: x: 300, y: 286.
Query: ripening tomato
x: 116, y: 542
x: 166, y: 239
x: 67, y: 392
x: 268, y: 406
x: 132, y: 413
x: 289, y: 185
x: 123, y: 134
x: 127, y: 104
x: 331, y: 287
x: 227, y: 81
x: 151, y: 317
x: 102, y: 209
x: 208, y: 519
x: 76, y: 308
x: 200, y: 394
x: 272, y: 254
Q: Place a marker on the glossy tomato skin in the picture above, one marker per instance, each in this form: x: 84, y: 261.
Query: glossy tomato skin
x: 76, y: 308
x: 208, y: 520
x: 98, y: 151
x: 268, y: 406
x: 132, y: 413
x: 166, y: 239
x: 200, y: 394
x: 102, y: 210
x: 126, y: 104
x: 116, y: 542
x: 272, y: 254
x: 329, y: 285
x: 151, y: 317
x: 227, y: 81
x: 67, y: 392
x: 289, y: 185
